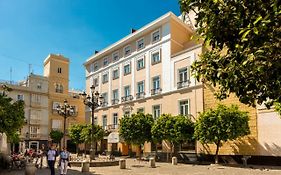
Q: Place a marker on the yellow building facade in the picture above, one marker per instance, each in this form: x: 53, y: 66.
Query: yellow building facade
x: 56, y: 69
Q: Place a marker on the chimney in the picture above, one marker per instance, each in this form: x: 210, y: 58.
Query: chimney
x: 96, y: 51
x: 133, y: 30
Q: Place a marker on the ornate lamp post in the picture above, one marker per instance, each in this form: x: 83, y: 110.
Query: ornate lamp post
x: 66, y: 111
x: 93, y: 101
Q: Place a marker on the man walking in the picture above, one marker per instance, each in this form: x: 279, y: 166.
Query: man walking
x: 52, y: 159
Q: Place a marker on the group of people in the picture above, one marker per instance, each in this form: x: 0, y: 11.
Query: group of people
x: 64, y: 157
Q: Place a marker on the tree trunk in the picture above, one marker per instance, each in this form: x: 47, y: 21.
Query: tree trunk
x: 217, y: 152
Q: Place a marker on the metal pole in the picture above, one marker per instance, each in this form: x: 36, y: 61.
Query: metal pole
x: 92, y: 134
x: 64, y: 124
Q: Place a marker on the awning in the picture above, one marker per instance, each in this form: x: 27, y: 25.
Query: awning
x: 113, y: 137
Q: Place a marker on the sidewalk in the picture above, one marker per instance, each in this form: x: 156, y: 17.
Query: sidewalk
x: 142, y: 168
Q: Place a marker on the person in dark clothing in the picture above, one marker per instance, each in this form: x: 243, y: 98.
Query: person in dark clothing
x: 52, y: 153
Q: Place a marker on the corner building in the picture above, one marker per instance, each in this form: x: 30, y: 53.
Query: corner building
x: 147, y: 71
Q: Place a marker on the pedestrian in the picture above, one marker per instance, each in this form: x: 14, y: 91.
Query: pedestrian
x: 64, y: 161
x: 52, y: 159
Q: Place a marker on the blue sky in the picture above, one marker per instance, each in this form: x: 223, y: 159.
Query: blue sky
x: 31, y: 29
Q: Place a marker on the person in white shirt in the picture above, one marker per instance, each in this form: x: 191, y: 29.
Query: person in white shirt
x: 64, y: 160
x: 52, y: 159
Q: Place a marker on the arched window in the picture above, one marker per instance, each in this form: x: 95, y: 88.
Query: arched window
x: 59, y: 88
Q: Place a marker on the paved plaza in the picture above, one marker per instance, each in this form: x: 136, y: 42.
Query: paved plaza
x: 142, y: 168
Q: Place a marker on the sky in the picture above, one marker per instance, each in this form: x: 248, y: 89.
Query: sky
x: 32, y: 29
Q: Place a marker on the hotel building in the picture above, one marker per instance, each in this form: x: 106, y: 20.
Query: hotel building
x: 147, y: 71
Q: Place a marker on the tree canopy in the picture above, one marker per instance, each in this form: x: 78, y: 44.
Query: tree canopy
x: 244, y: 40
x: 11, y: 116
x: 175, y: 129
x: 87, y: 136
x: 75, y: 133
x: 136, y: 129
x: 220, y: 125
x: 56, y: 135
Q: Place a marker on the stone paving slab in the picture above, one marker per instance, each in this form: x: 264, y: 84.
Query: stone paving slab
x: 142, y: 168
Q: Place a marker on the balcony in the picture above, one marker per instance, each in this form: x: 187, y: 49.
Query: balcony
x: 156, y: 91
x: 183, y: 84
x: 114, y: 101
x: 127, y: 98
x: 140, y: 95
x: 34, y: 121
x: 104, y: 104
x: 112, y: 127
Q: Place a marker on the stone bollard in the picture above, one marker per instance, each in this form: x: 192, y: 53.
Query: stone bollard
x: 122, y: 164
x: 30, y: 169
x: 85, y: 167
x: 152, y: 162
x: 174, y: 161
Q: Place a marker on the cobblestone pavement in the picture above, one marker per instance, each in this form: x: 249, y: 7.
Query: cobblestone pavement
x: 142, y: 168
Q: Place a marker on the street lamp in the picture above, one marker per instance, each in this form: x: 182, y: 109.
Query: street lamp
x: 93, y: 101
x: 65, y: 110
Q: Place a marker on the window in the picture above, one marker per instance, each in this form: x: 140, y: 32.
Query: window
x: 127, y: 50
x: 56, y: 124
x: 156, y: 82
x: 105, y: 97
x: 183, y: 75
x: 36, y: 98
x: 96, y: 82
x: 115, y: 119
x: 155, y: 58
x: 115, y: 74
x: 140, y: 110
x: 155, y: 36
x: 104, y: 122
x: 59, y: 88
x: 127, y: 113
x: 20, y: 97
x: 59, y: 70
x: 140, y: 90
x: 55, y: 105
x: 156, y: 111
x: 39, y: 85
x: 115, y: 97
x: 184, y: 107
x: 115, y: 56
x: 96, y: 67
x: 183, y: 78
x: 127, y: 69
x: 105, y: 61
x: 105, y: 78
x: 140, y: 44
x: 115, y: 94
x: 127, y: 91
x: 140, y: 63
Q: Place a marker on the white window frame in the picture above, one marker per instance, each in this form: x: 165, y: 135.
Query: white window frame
x: 104, y: 124
x: 137, y: 62
x: 179, y: 106
x: 159, y: 84
x: 125, y: 87
x: 20, y: 97
x: 115, y: 90
x: 103, y: 80
x: 151, y: 56
x: 105, y: 97
x: 113, y: 54
x: 158, y: 30
x: 105, y: 59
x: 114, y: 117
x: 128, y: 64
x: 137, y: 44
x: 187, y: 74
x: 143, y: 86
x: 113, y: 77
x: 160, y: 109
x: 124, y: 50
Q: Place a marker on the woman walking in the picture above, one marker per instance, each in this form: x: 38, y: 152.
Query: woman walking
x: 64, y: 161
